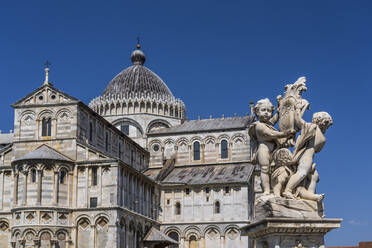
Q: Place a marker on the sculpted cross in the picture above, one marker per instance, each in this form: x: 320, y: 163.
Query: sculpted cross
x: 47, y: 64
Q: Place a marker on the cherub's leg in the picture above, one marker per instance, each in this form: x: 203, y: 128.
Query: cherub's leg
x: 265, y: 180
x: 264, y: 162
x: 302, y: 171
x: 314, y: 179
x: 280, y: 183
x: 307, y: 195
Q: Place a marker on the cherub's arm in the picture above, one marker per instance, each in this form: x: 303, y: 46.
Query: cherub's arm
x: 267, y: 133
x: 274, y: 119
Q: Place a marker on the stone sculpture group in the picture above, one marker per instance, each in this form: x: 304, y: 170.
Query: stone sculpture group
x: 289, y: 174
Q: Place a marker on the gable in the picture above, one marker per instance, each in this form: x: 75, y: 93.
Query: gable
x: 45, y: 95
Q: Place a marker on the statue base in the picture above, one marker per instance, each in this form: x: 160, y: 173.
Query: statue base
x: 272, y: 206
x: 287, y: 223
x: 289, y: 232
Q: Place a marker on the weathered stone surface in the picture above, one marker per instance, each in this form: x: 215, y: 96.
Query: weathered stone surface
x: 290, y: 232
x: 271, y: 206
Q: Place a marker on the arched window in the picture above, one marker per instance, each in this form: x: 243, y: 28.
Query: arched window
x: 94, y: 176
x: 46, y: 127
x: 33, y: 176
x: 196, y: 150
x: 90, y: 131
x: 107, y: 141
x: 125, y: 128
x: 224, y: 152
x: 174, y: 236
x: 62, y: 177
x: 178, y: 208
x: 217, y: 207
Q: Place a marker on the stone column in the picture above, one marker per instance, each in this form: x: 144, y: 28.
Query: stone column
x: 182, y: 242
x: 135, y: 237
x: 54, y: 243
x: 126, y: 235
x: 202, y: 148
x: 202, y: 242
x: 37, y: 243
x: 55, y: 188
x: 24, y: 198
x: 100, y: 173
x: 75, y: 184
x: 69, y: 188
x: 38, y: 190
x: 15, y: 189
x: 222, y: 241
x: 53, y: 132
x: 289, y: 232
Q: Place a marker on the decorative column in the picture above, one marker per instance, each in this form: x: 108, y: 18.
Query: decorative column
x: 222, y: 241
x: 202, y: 148
x: 190, y: 153
x: 69, y: 188
x: 55, y: 188
x: 38, y: 190
x: 54, y: 243
x: 54, y: 127
x: 37, y: 242
x: 15, y: 189
x: 176, y: 153
x: 100, y: 173
x: 24, y: 198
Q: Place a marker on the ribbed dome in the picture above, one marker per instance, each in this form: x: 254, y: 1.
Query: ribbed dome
x: 138, y: 80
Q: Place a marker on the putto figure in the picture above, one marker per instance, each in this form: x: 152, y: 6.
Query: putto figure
x: 310, y: 141
x: 287, y: 174
x: 267, y: 138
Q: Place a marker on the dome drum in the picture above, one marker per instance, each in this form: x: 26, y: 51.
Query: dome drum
x: 119, y: 105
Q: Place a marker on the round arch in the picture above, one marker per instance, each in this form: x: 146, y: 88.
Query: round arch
x: 157, y: 123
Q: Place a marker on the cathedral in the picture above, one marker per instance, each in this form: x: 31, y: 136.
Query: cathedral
x: 129, y: 170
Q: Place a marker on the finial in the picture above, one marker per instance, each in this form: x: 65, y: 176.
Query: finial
x: 138, y: 57
x: 138, y: 43
x: 47, y: 64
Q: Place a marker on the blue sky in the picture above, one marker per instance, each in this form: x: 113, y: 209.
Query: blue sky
x: 216, y: 56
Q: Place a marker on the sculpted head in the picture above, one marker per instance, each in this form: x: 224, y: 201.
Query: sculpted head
x: 323, y: 120
x: 264, y: 110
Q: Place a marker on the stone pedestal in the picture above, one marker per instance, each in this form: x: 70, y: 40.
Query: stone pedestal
x: 289, y: 232
x: 287, y: 223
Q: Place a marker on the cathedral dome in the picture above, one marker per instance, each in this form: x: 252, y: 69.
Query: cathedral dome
x: 137, y: 89
x: 138, y: 80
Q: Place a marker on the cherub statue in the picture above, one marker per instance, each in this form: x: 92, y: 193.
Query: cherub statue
x: 284, y: 169
x: 310, y: 141
x: 266, y: 136
x: 283, y: 161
